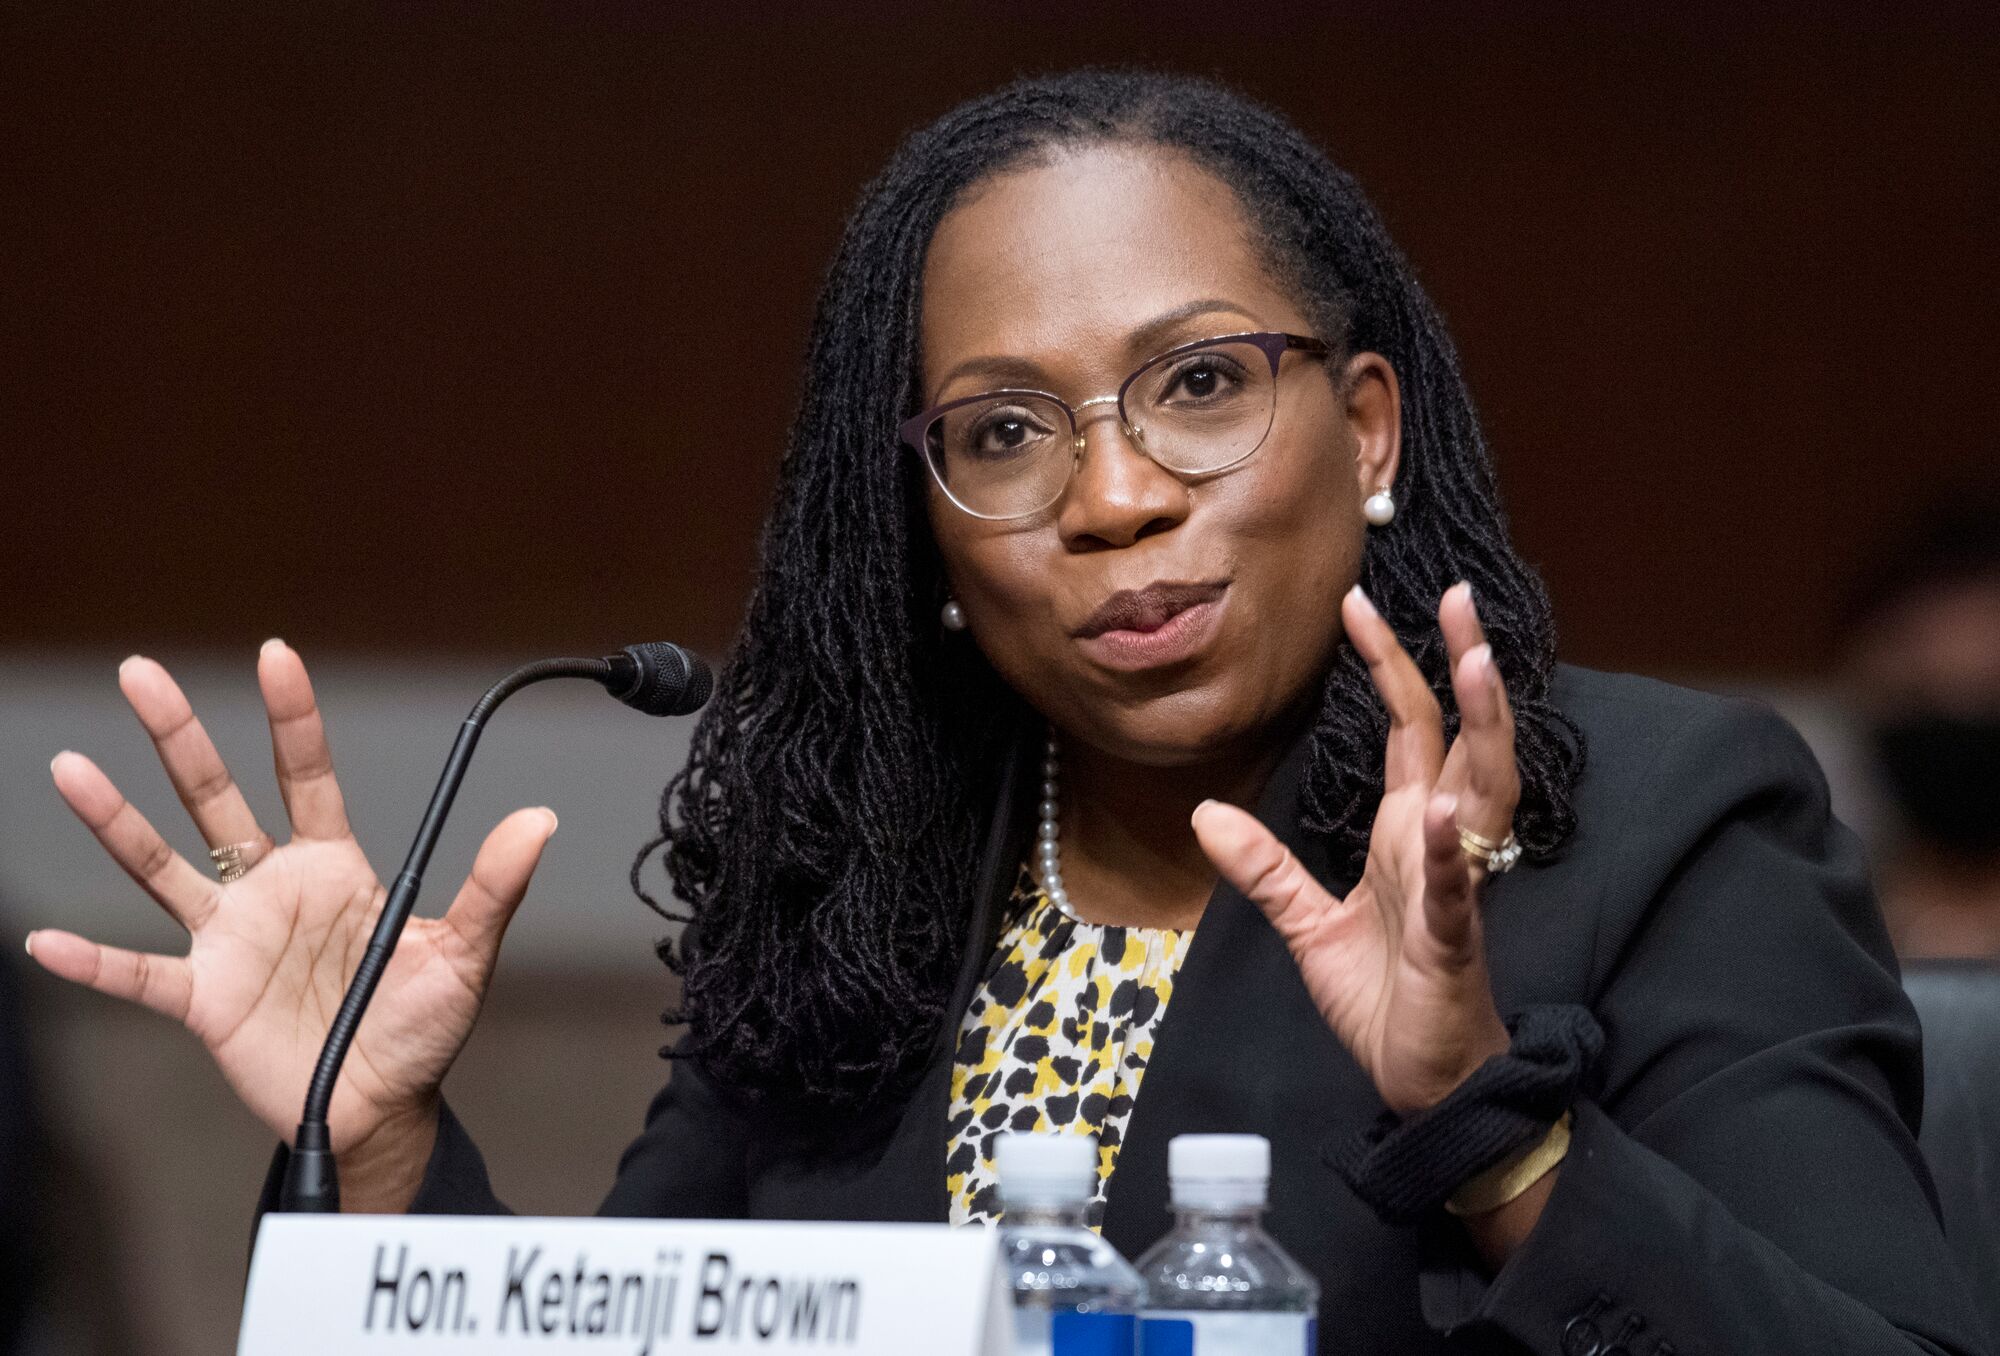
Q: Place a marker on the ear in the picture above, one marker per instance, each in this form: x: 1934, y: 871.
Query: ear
x: 1373, y: 403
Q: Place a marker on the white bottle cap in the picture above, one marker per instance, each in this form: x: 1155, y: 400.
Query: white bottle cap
x: 1219, y: 1172
x: 1046, y: 1170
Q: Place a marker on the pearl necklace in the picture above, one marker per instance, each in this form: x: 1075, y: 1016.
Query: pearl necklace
x: 1048, y: 847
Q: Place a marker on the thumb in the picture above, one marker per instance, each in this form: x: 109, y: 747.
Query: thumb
x: 1251, y: 858
x: 499, y: 878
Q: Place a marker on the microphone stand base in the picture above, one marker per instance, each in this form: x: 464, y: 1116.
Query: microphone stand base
x: 312, y: 1182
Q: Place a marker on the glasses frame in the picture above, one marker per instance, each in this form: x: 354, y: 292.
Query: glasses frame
x: 1274, y: 343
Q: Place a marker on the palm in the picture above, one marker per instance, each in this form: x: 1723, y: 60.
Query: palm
x: 270, y: 955
x: 1397, y: 967
x: 267, y: 973
x: 1351, y: 958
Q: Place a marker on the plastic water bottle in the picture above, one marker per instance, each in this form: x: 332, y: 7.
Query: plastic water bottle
x: 1073, y: 1294
x: 1217, y: 1285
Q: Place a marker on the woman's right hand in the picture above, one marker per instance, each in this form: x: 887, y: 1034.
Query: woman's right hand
x: 271, y: 953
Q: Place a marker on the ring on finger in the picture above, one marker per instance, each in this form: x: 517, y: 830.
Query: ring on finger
x: 1495, y: 857
x: 232, y: 860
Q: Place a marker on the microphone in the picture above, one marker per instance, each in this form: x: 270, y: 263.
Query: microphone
x: 657, y: 678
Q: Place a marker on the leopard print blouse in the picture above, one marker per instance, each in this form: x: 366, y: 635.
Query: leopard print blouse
x: 1056, y: 1039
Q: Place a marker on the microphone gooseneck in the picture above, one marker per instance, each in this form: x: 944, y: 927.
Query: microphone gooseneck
x: 658, y: 678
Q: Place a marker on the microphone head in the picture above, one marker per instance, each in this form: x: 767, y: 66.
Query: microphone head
x: 660, y: 678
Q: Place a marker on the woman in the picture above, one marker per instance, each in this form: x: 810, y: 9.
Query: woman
x: 1190, y: 510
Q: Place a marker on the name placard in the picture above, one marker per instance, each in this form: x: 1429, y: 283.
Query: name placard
x: 326, y: 1285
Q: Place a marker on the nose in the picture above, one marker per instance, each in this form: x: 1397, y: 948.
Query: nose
x: 1116, y: 494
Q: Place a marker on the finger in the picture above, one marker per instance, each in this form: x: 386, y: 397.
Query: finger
x: 1448, y: 913
x: 499, y: 880
x: 298, y: 745
x: 1481, y: 693
x: 1415, y: 751
x: 1251, y: 858
x: 200, y: 777
x: 185, y: 893
x: 163, y: 983
x: 1486, y: 728
x: 1459, y: 620
x: 1488, y: 776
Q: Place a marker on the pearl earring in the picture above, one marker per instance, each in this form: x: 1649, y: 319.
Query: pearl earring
x: 1380, y: 508
x: 952, y: 615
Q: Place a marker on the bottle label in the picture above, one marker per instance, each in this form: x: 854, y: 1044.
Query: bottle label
x: 1040, y: 1332
x: 1193, y: 1332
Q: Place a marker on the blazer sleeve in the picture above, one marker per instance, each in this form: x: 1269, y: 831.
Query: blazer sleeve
x: 1745, y: 1178
x: 688, y: 1162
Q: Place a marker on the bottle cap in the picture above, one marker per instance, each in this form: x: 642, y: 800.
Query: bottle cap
x: 1219, y: 1172
x: 1046, y: 1169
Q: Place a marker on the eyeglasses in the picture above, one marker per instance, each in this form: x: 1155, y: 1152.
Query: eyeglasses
x: 1195, y: 410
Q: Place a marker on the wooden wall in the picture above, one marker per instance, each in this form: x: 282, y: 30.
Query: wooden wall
x: 385, y: 327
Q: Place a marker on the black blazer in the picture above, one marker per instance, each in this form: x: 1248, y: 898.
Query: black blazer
x: 1744, y: 1182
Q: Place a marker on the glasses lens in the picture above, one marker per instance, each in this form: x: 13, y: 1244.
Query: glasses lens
x: 1003, y: 456
x: 1206, y: 409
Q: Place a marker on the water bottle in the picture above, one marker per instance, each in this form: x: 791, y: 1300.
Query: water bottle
x: 1217, y: 1285
x: 1073, y: 1294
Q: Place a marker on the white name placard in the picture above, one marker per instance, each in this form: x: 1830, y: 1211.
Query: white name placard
x: 326, y: 1285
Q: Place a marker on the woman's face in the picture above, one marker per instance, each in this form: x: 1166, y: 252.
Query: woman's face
x: 1221, y: 594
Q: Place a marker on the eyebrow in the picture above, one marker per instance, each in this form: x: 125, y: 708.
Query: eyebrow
x: 1149, y: 338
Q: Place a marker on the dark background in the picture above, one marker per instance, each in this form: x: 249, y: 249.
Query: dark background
x: 390, y: 328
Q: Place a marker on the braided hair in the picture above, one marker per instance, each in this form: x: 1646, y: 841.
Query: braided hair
x: 825, y: 830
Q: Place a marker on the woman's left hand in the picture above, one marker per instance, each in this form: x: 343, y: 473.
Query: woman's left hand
x: 1398, y: 967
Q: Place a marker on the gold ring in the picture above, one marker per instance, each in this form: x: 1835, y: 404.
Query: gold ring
x: 1495, y: 857
x: 228, y: 859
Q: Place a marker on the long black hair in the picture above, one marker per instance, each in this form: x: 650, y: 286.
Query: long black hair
x: 826, y: 828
